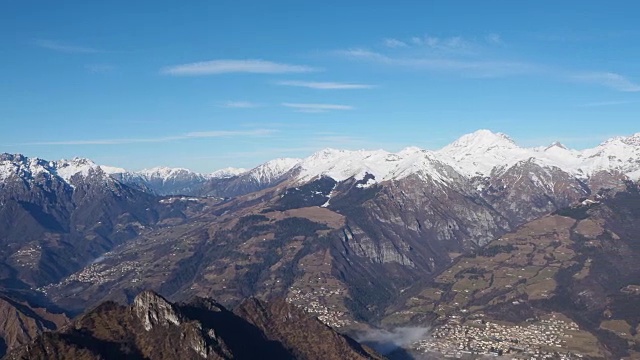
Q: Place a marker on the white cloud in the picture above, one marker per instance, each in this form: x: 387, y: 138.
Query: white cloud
x: 607, y: 79
x: 236, y: 66
x: 473, y: 67
x: 316, y: 108
x: 433, y: 43
x: 66, y: 48
x: 394, y: 43
x: 186, y: 136
x: 473, y: 58
x: 240, y: 104
x: 326, y: 85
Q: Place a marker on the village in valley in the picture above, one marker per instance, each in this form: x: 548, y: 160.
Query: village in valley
x: 540, y: 339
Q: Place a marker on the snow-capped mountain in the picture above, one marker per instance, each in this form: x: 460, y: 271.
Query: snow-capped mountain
x: 473, y: 155
x: 272, y: 170
x: 166, y: 181
x: 168, y: 174
x: 172, y: 181
x: 21, y: 167
x: 65, y: 213
x: 476, y: 154
x: 479, y: 153
x: 343, y: 164
x: 619, y: 153
x: 226, y: 173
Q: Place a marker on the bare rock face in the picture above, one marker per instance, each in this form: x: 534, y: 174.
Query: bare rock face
x: 153, y: 328
x: 608, y: 180
x: 527, y: 190
x: 154, y: 310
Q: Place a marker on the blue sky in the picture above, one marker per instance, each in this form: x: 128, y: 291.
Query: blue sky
x: 210, y: 84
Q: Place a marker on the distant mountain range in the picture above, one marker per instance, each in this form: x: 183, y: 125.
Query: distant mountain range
x: 476, y: 154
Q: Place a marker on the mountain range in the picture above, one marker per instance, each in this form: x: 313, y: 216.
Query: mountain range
x: 345, y: 235
x: 473, y: 155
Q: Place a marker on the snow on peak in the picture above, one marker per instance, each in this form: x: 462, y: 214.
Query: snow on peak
x: 19, y: 165
x: 112, y: 170
x: 633, y: 140
x: 272, y: 170
x: 22, y: 166
x: 227, y: 173
x: 554, y: 145
x: 618, y: 153
x: 66, y: 169
x: 480, y: 152
x: 411, y: 150
x: 484, y: 140
x: 325, y: 154
x: 383, y: 165
x: 163, y: 172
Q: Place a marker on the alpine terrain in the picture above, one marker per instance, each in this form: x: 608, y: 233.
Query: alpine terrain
x: 481, y: 237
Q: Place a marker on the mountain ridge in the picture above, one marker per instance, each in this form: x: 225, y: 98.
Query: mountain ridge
x: 155, y: 329
x: 474, y: 154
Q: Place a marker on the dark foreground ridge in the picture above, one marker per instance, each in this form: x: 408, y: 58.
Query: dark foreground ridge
x: 153, y: 328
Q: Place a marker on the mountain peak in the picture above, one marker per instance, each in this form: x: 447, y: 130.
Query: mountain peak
x: 227, y: 172
x: 67, y: 169
x: 273, y: 169
x: 411, y: 150
x: 481, y: 151
x: 633, y: 140
x: 163, y: 171
x: 154, y: 310
x: 483, y: 139
x: 79, y: 161
x: 326, y: 153
x: 556, y: 144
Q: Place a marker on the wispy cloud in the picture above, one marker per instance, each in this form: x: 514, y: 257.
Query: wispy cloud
x: 186, y: 136
x: 65, y: 48
x: 454, y: 43
x: 445, y: 44
x: 326, y: 85
x: 474, y: 67
x: 607, y: 79
x: 483, y: 64
x: 99, y: 68
x: 215, y: 67
x: 316, y: 108
x: 394, y: 43
x: 240, y: 104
